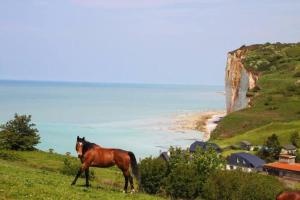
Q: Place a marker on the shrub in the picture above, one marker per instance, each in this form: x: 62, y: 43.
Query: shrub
x: 183, y: 181
x: 189, y: 171
x: 297, y: 159
x: 153, y: 171
x: 295, y: 139
x: 19, y: 134
x: 71, y: 167
x: 271, y: 149
x: 184, y: 175
x: 12, y: 156
x: 291, y: 88
x: 297, y: 74
x: 238, y: 185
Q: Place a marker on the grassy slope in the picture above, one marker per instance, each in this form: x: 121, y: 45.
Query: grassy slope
x: 34, y: 175
x: 277, y: 100
x: 258, y: 136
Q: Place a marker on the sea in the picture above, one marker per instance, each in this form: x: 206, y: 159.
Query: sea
x: 134, y: 117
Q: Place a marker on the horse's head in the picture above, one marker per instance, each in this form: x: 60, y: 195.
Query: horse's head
x: 79, y: 146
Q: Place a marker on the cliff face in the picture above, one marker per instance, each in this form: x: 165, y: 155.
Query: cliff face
x: 268, y: 75
x: 238, y: 80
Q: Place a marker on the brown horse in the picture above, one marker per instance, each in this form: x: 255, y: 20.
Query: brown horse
x: 293, y: 195
x: 92, y: 155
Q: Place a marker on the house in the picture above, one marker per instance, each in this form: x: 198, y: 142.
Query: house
x: 246, y: 145
x: 245, y: 161
x: 205, y: 146
x: 288, y: 149
x: 285, y: 158
x: 165, y: 155
x: 285, y: 167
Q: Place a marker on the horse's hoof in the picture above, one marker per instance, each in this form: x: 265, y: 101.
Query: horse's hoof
x: 132, y: 191
x: 72, y: 184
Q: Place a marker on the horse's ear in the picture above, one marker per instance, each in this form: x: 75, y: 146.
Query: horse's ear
x: 83, y: 139
x: 77, y: 137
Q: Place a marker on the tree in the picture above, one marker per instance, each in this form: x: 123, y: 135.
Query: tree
x: 19, y: 134
x: 189, y: 171
x: 295, y: 139
x: 271, y: 149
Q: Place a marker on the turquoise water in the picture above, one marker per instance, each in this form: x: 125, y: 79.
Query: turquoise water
x: 135, y: 117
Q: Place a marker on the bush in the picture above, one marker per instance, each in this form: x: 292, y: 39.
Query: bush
x: 19, y: 134
x: 189, y: 171
x: 184, y: 175
x: 295, y: 139
x: 238, y: 185
x: 183, y: 181
x: 71, y: 167
x: 297, y: 74
x: 271, y: 149
x: 8, y: 155
x: 153, y: 171
x: 297, y: 159
x: 291, y: 88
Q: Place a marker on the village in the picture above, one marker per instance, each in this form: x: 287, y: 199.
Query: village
x: 285, y: 167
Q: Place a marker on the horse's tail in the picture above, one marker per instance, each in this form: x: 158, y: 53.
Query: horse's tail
x: 134, y: 167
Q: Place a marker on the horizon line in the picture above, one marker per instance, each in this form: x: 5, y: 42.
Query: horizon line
x: 95, y: 82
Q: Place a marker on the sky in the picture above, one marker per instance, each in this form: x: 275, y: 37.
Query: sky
x: 136, y: 41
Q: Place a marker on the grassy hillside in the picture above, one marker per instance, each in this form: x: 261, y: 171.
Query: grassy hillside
x: 276, y: 98
x: 35, y: 175
x: 259, y: 135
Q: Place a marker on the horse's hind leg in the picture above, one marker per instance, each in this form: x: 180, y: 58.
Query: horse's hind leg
x: 131, y: 183
x: 126, y: 175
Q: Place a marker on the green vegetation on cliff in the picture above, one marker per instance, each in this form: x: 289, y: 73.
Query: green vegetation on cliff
x: 275, y: 101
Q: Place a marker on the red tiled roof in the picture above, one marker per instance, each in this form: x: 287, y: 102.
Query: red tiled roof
x: 285, y: 166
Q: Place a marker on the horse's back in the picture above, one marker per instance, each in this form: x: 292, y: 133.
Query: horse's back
x: 107, y: 157
x: 295, y: 195
x: 100, y: 157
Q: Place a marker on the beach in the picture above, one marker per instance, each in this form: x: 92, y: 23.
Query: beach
x: 204, y: 122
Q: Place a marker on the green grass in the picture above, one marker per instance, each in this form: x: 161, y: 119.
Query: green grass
x: 258, y: 136
x: 277, y: 100
x: 36, y: 176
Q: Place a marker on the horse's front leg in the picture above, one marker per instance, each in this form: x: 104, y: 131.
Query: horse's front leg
x: 87, y: 177
x: 82, y: 168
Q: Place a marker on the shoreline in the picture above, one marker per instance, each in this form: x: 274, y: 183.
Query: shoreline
x: 204, y: 122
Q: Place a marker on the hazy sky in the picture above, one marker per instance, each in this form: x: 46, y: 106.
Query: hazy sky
x: 147, y: 41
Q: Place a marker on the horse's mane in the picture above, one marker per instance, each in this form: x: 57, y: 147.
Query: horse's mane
x: 87, y: 146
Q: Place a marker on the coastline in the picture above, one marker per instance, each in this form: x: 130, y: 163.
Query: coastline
x: 204, y: 122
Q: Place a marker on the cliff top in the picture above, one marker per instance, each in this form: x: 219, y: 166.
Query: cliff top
x: 276, y: 97
x: 266, y: 57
